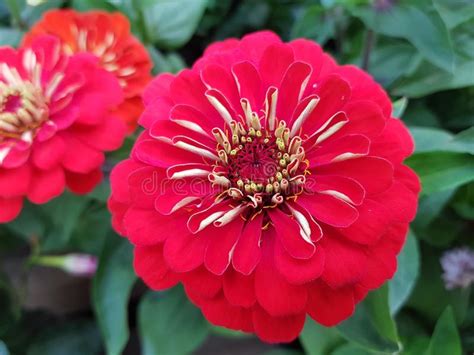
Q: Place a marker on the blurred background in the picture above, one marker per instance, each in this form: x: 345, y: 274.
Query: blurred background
x: 54, y: 301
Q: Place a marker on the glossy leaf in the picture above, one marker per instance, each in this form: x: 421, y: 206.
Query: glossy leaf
x: 171, y: 23
x: 445, y: 338
x: 319, y: 340
x: 371, y: 325
x: 111, y: 290
x: 416, y: 21
x: 403, y: 282
x: 169, y: 324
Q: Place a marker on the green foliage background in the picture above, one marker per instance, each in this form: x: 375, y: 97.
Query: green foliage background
x: 421, y: 51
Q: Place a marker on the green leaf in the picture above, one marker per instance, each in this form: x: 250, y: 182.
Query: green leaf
x: 428, y: 79
x: 110, y: 293
x: 316, y: 24
x: 372, y: 326
x: 85, y: 5
x: 169, y: 324
x: 416, y: 21
x: 403, y: 282
x: 171, y: 23
x: 350, y: 349
x: 430, y: 206
x: 441, y: 171
x: 454, y: 12
x: 63, y: 213
x: 392, y: 59
x: 319, y: 340
x: 169, y: 63
x: 399, y: 107
x: 429, y: 139
x: 445, y: 339
x: 73, y: 338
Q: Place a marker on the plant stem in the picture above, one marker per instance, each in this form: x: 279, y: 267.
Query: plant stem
x: 15, y: 12
x: 369, y: 44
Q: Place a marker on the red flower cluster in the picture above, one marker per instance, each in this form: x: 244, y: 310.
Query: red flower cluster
x: 108, y: 37
x: 55, y: 123
x: 269, y: 182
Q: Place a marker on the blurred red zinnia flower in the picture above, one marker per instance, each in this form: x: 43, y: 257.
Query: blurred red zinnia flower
x: 108, y: 37
x: 269, y: 182
x: 55, y: 123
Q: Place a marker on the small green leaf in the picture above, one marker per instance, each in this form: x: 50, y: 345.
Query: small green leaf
x: 445, y: 338
x: 169, y: 324
x: 319, y: 340
x: 111, y: 290
x: 171, y: 23
x: 399, y: 107
x: 372, y: 326
x: 403, y: 282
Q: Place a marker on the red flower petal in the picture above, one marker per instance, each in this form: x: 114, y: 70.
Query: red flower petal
x: 299, y: 271
x: 239, y: 290
x: 346, y: 263
x: 329, y: 306
x: 277, y: 329
x: 247, y: 252
x: 329, y: 209
x: 46, y: 185
x: 150, y: 265
x: 274, y: 293
x: 10, y: 208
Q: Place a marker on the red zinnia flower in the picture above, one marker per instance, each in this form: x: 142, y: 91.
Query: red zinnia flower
x: 269, y: 182
x: 108, y: 37
x: 54, y: 123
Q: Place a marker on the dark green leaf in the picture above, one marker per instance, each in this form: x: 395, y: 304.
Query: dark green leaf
x: 418, y: 22
x: 111, y: 290
x: 63, y: 213
x: 315, y: 24
x: 350, y: 349
x: 171, y: 23
x: 74, y: 338
x: 404, y: 279
x: 169, y: 324
x: 434, y: 139
x: 319, y: 340
x: 454, y: 12
x: 440, y: 171
x: 85, y: 5
x: 391, y: 59
x: 371, y: 326
x: 430, y: 206
x: 445, y: 339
